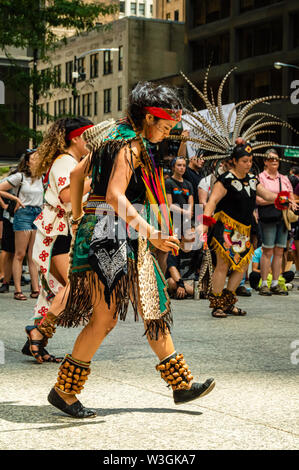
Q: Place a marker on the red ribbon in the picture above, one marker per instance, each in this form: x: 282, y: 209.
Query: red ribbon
x: 163, y: 113
x: 77, y: 132
x: 206, y: 220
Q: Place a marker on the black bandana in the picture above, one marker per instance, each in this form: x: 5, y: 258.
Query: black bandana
x: 242, y: 150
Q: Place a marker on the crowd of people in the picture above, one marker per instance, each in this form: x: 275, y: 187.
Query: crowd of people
x: 68, y: 202
x: 275, y: 240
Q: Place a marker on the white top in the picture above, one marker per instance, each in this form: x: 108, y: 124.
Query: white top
x: 31, y: 190
x: 205, y: 184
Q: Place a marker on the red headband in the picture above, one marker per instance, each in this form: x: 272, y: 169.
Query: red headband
x: 77, y: 132
x: 163, y: 113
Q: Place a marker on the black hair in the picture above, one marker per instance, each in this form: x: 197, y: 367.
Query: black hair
x: 149, y: 94
x: 23, y: 165
x: 241, y: 149
x: 295, y: 170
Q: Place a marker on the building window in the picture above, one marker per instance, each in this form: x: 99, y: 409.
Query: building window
x: 95, y: 103
x: 94, y: 66
x: 57, y: 76
x: 69, y: 72
x: 86, y: 104
x: 215, y: 48
x: 176, y: 15
x: 107, y: 62
x: 151, y: 9
x: 120, y: 58
x: 107, y: 100
x: 48, y: 113
x: 294, y: 30
x: 119, y: 98
x: 70, y: 105
x: 40, y: 115
x: 55, y: 109
x: 81, y: 69
x: 207, y: 11
x: 258, y: 84
x: 46, y: 79
x: 246, y: 5
x: 122, y: 7
x: 168, y: 16
x: 141, y: 9
x: 133, y: 8
x: 62, y: 107
x: 260, y: 39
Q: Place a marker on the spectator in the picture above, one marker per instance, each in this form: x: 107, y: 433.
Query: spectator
x: 296, y: 231
x: 294, y: 176
x: 273, y: 229
x: 179, y: 194
x: 206, y: 183
x: 193, y: 174
x: 183, y: 267
x: 255, y: 275
x: 30, y: 193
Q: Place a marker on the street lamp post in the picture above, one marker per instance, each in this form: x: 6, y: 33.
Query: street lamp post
x: 76, y: 73
x: 279, y: 65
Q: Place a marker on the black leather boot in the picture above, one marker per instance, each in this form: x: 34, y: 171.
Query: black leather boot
x: 177, y: 374
x: 71, y: 379
x: 76, y: 410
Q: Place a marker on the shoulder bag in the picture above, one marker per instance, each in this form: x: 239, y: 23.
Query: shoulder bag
x: 269, y: 214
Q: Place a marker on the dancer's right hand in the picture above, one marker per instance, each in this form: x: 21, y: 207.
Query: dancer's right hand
x: 164, y: 242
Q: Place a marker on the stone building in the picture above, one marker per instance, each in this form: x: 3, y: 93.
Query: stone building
x: 61, y: 32
x: 250, y: 35
x: 146, y: 49
x: 173, y: 10
x: 142, y: 8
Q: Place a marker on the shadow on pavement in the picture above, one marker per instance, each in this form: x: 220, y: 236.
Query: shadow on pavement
x: 14, y: 413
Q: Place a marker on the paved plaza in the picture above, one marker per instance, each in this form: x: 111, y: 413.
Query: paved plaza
x: 254, y: 360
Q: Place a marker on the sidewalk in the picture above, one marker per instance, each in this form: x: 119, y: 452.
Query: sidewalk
x: 253, y: 406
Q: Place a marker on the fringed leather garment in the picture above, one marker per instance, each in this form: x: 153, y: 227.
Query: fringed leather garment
x: 107, y: 250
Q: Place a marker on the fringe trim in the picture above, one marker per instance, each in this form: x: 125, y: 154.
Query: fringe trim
x: 221, y: 251
x: 156, y: 327
x: 85, y: 286
x: 226, y: 219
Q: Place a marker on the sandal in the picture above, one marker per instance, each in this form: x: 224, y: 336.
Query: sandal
x: 218, y: 313
x: 51, y: 357
x: 236, y: 311
x: 26, y: 351
x: 38, y: 355
x: 19, y: 296
x: 34, y: 294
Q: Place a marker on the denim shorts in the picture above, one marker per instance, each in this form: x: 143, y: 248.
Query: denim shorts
x: 24, y: 218
x: 274, y: 235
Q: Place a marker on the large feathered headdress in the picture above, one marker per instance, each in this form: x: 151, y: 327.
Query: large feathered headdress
x: 218, y: 134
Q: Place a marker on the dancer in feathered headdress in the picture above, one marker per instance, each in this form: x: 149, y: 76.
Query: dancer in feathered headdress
x: 229, y: 211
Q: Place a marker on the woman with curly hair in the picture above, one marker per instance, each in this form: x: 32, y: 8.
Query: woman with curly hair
x: 59, y: 153
x: 112, y: 260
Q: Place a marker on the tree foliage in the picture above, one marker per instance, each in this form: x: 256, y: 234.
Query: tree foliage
x: 30, y: 24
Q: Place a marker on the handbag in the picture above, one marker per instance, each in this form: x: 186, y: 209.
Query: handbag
x: 269, y: 214
x: 12, y: 203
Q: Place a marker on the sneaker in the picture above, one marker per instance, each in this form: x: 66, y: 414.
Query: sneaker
x: 289, y: 286
x: 277, y: 290
x: 4, y: 288
x: 264, y: 290
x: 243, y: 291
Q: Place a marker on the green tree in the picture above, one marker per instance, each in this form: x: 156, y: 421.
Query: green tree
x: 29, y: 24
